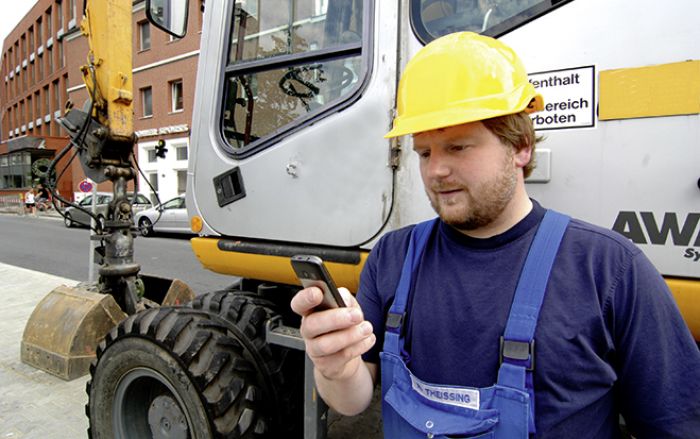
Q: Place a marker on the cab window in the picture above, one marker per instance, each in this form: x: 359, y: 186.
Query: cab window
x: 290, y: 62
x: 434, y: 18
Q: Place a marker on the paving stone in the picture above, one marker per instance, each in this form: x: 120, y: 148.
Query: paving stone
x: 34, y: 404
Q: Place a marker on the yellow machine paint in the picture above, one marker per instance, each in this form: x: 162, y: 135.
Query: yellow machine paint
x: 651, y: 91
x: 270, y: 268
x: 107, y: 24
x: 686, y: 293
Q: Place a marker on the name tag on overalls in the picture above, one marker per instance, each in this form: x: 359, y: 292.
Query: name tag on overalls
x: 460, y: 397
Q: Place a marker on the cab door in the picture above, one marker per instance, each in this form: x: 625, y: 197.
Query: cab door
x: 294, y: 97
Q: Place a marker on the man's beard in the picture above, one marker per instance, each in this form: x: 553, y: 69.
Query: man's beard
x: 485, y: 202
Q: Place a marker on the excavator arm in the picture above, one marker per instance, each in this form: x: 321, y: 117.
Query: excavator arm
x: 102, y: 134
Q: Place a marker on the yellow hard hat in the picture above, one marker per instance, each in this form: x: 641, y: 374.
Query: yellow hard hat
x: 459, y: 78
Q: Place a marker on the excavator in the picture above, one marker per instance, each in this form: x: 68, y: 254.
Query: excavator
x: 287, y: 157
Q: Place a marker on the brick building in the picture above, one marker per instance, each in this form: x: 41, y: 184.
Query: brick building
x: 34, y: 77
x: 40, y: 73
x: 165, y: 71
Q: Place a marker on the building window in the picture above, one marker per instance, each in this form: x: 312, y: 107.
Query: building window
x: 49, y: 24
x: 144, y: 35
x: 151, y: 155
x: 64, y: 89
x: 72, y: 9
x: 176, y: 95
x: 47, y: 108
x: 37, y: 109
x: 10, y: 123
x: 22, y: 115
x: 49, y: 59
x: 40, y: 67
x: 39, y: 37
x: 147, y: 99
x: 181, y: 152
x: 56, y: 104
x: 59, y: 15
x: 30, y: 113
x: 15, y: 170
x: 61, y: 58
x: 31, y: 39
x: 181, y: 182
x: 153, y: 179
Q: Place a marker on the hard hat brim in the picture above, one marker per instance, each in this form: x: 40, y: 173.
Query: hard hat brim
x: 465, y: 112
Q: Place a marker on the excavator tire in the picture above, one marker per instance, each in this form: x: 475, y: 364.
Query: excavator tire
x: 280, y: 371
x: 193, y: 372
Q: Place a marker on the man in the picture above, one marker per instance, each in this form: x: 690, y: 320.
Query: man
x: 502, y: 319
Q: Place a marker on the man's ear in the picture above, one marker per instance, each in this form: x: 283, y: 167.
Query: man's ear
x: 522, y: 156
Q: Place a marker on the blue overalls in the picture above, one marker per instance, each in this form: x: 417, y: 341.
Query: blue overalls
x: 415, y: 409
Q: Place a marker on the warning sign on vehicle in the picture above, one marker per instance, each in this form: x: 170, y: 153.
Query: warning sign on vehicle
x: 569, y: 98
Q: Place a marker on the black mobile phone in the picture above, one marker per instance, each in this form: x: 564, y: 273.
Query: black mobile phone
x: 313, y: 273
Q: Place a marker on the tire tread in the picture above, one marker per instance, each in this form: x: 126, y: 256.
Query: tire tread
x: 219, y: 341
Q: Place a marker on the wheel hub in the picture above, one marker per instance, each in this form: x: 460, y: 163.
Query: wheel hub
x: 166, y: 419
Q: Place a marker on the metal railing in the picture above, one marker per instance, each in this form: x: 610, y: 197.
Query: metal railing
x: 13, y: 203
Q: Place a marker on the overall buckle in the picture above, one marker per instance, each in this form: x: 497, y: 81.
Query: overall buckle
x: 518, y: 351
x: 394, y: 321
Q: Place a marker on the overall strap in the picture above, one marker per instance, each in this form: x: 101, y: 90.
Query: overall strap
x: 393, y: 342
x: 517, y: 343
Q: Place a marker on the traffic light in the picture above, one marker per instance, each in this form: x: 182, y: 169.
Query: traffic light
x: 161, y: 149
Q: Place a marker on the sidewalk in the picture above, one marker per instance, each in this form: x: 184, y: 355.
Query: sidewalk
x: 34, y: 404
x: 15, y: 210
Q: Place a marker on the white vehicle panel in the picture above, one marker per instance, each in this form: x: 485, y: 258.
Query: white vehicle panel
x: 336, y: 170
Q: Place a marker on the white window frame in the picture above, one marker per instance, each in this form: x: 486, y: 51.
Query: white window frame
x: 177, y: 176
x: 174, y: 98
x: 143, y: 26
x: 145, y: 90
x: 153, y: 180
x: 177, y: 154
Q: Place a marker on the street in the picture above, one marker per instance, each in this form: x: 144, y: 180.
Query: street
x: 45, y: 245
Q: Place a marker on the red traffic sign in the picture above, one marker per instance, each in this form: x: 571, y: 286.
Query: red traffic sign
x: 85, y: 186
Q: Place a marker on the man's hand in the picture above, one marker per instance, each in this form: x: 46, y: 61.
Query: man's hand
x: 335, y: 338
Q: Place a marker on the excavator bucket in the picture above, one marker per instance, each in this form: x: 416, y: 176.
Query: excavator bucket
x: 65, y: 327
